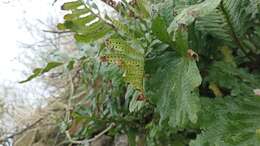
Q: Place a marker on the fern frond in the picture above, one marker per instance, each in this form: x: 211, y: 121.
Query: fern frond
x: 122, y: 28
x: 216, y: 25
x: 228, y: 23
x: 172, y: 87
x: 87, y: 25
x: 130, y: 60
x: 230, y: 122
x: 121, y: 46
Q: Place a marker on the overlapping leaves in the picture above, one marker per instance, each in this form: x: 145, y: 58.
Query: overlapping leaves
x: 229, y: 22
x: 236, y: 80
x: 232, y: 121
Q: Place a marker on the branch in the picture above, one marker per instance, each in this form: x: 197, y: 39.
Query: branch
x: 58, y: 32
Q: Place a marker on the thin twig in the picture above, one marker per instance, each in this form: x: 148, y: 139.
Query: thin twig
x: 58, y: 32
x: 87, y: 141
x: 54, y: 2
x: 79, y: 95
x: 68, y: 110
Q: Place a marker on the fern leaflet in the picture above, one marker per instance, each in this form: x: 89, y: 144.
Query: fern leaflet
x: 130, y: 60
x: 87, y: 25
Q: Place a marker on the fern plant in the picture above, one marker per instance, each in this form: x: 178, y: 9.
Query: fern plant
x: 172, y: 72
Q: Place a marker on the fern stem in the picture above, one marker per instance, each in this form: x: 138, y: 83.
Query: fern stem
x: 233, y: 33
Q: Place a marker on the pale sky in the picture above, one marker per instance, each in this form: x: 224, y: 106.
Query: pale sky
x: 13, y: 31
x: 12, y: 14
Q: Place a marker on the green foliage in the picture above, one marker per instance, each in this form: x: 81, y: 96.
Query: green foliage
x: 172, y: 88
x: 179, y: 72
x: 84, y: 22
x: 129, y: 59
x: 230, y: 23
x: 189, y: 14
x: 159, y: 29
x: 237, y: 80
x: 230, y: 122
x: 40, y: 71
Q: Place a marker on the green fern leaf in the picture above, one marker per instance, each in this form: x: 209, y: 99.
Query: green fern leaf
x: 171, y: 86
x: 237, y: 80
x: 230, y: 122
x: 216, y: 25
x: 228, y: 23
x: 159, y: 29
x: 71, y: 5
x: 40, y: 71
x: 130, y: 60
x: 124, y: 29
x: 84, y: 22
